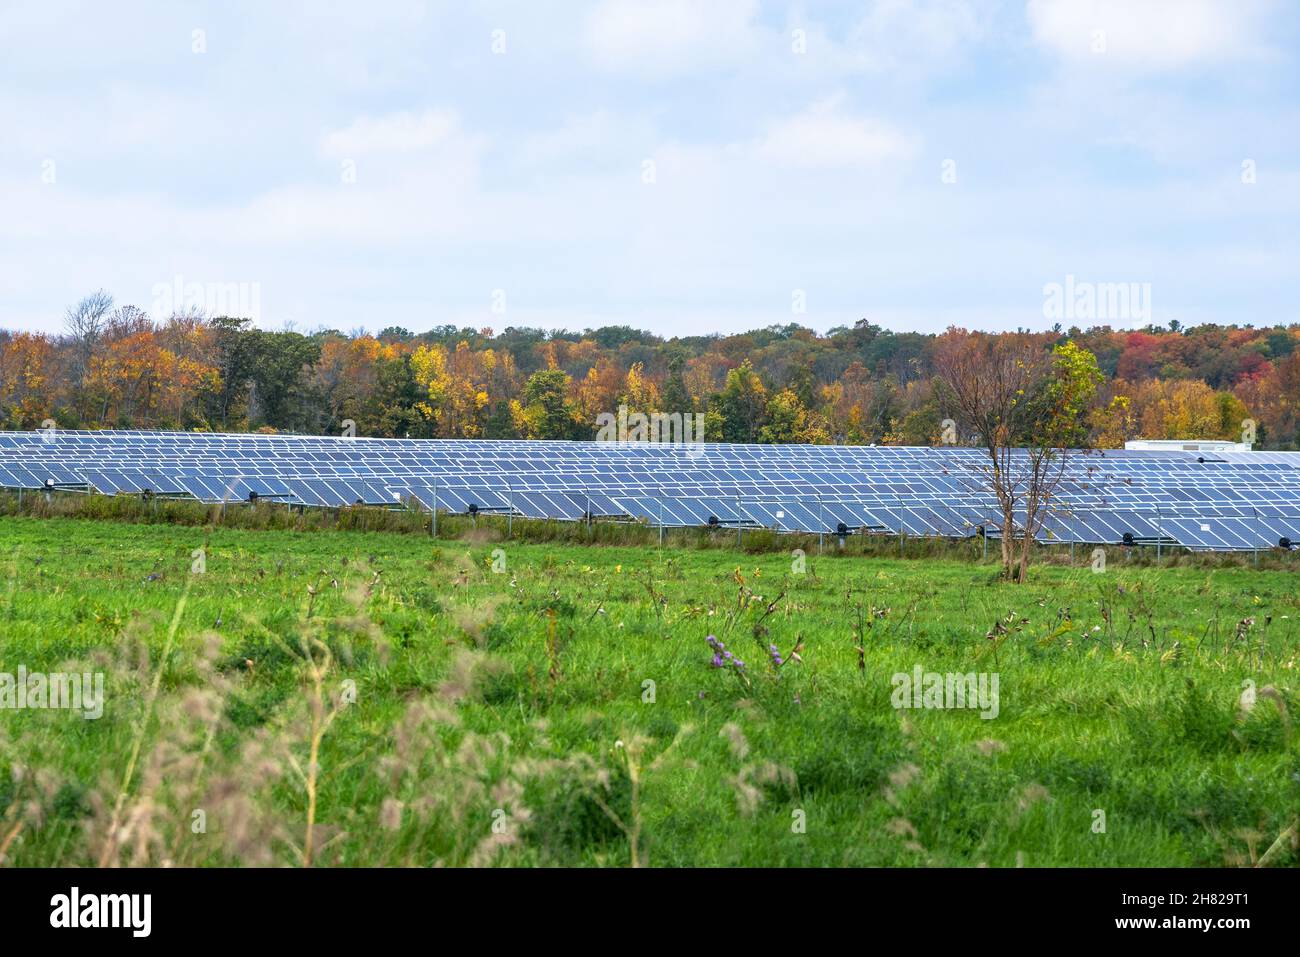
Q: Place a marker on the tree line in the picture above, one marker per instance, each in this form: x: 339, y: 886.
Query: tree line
x: 116, y: 366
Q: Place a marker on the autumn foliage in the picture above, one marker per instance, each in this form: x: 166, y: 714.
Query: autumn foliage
x: 116, y: 367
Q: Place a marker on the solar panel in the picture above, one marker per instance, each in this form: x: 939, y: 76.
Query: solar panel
x: 1228, y: 501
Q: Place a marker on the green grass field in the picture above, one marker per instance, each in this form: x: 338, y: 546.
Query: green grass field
x: 352, y: 698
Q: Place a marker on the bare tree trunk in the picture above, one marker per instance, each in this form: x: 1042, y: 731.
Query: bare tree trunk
x: 1008, y: 540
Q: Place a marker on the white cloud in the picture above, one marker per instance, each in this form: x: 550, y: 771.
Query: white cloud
x: 394, y: 133
x: 582, y: 139
x: 823, y: 136
x: 524, y: 171
x: 1146, y: 35
x: 671, y: 36
x: 911, y: 34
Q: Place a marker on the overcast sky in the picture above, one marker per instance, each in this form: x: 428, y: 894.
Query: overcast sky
x: 684, y: 166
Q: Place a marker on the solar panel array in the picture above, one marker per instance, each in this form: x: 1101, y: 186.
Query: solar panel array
x: 1200, y: 500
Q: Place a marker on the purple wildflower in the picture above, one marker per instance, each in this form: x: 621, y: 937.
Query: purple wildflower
x: 722, y: 658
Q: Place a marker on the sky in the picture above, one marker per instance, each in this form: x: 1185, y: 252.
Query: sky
x: 680, y: 166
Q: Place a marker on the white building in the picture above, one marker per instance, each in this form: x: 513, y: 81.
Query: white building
x: 1188, y: 445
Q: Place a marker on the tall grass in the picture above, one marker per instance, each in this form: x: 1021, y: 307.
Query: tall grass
x: 268, y: 515
x: 382, y: 699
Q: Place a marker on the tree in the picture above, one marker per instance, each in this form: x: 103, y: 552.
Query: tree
x: 742, y: 404
x: 26, y: 391
x: 1059, y: 412
x: 676, y: 396
x: 279, y: 393
x: 545, y: 411
x: 395, y: 399
x: 1114, y: 423
x: 1187, y: 409
x: 789, y: 421
x: 233, y: 357
x: 139, y: 382
x: 857, y: 385
x: 1288, y: 400
x: 346, y: 377
x: 85, y: 324
x: 638, y: 393
x: 598, y: 391
x: 919, y: 421
x: 1027, y: 409
x: 429, y: 367
x: 500, y: 422
x: 464, y: 410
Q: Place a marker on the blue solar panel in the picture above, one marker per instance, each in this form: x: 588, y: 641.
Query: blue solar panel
x: 1231, y: 500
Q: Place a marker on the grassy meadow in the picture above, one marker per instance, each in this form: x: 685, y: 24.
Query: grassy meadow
x: 278, y: 697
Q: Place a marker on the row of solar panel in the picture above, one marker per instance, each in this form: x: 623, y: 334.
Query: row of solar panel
x: 794, y: 514
x: 72, y: 465
x: 71, y: 469
x: 418, y: 452
x: 525, y: 461
x: 597, y: 454
x: 1230, y: 501
x: 374, y: 488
